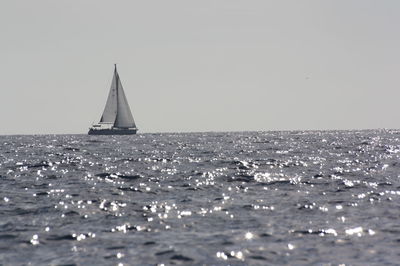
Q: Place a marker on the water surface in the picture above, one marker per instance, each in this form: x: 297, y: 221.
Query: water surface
x: 260, y: 198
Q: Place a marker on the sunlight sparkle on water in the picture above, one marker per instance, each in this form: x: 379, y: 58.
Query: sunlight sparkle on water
x: 35, y: 240
x: 249, y: 236
x: 354, y: 231
x: 222, y: 255
x: 202, y: 199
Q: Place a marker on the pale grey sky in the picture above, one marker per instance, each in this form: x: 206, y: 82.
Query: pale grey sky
x: 209, y: 65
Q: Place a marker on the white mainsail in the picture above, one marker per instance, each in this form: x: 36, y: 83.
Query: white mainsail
x: 124, y: 115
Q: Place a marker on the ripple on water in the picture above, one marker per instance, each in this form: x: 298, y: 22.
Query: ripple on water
x: 201, y: 198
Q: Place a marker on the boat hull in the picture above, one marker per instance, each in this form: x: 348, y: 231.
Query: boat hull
x: 112, y: 131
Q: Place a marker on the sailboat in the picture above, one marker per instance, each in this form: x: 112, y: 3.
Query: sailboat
x: 117, y: 117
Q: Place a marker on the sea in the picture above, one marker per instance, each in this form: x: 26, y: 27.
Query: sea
x: 217, y: 198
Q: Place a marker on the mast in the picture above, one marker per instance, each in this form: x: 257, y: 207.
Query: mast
x: 116, y: 86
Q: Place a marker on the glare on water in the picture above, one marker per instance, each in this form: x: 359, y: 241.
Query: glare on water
x: 201, y: 198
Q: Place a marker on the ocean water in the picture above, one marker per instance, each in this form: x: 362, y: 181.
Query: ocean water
x: 249, y: 198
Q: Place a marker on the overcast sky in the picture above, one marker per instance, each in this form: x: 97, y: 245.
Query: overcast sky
x: 209, y: 65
